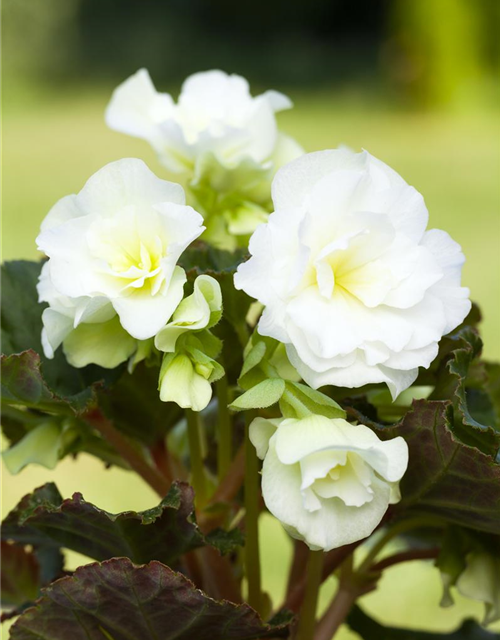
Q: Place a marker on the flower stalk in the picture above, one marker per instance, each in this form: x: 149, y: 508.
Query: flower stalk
x: 198, y: 475
x: 225, y: 434
x: 307, y: 622
x: 252, y: 497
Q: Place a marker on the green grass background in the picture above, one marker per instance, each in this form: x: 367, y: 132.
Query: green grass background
x: 54, y: 141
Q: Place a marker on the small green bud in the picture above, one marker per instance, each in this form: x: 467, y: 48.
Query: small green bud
x: 181, y: 383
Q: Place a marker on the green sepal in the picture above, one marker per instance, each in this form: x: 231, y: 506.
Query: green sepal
x: 299, y: 401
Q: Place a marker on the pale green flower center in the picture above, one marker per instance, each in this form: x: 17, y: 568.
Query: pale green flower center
x: 130, y: 248
x: 336, y: 474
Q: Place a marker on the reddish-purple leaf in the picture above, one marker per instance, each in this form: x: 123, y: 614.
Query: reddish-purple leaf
x: 117, y: 600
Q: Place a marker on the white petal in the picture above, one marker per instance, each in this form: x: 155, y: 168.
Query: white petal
x: 277, y: 100
x: 124, y: 183
x: 260, y: 432
x: 349, y: 486
x: 181, y: 224
x: 356, y: 374
x: 331, y: 526
x: 319, y: 464
x: 285, y: 150
x: 198, y: 311
x: 143, y: 315
x: 65, y: 209
x: 297, y: 439
x: 136, y: 107
x: 449, y: 255
x: 56, y: 327
x: 106, y: 344
x: 294, y: 181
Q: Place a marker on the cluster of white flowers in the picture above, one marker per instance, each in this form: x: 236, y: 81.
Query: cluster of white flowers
x: 351, y: 283
x: 218, y: 140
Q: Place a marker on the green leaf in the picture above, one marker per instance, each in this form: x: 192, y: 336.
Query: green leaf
x: 23, y: 384
x: 369, y: 629
x: 225, y: 541
x: 202, y: 258
x: 446, y: 477
x: 16, y: 422
x: 254, y: 357
x: 163, y: 533
x: 24, y: 571
x: 265, y: 358
x: 493, y: 387
x: 263, y: 395
x: 121, y: 601
x: 20, y: 575
x: 43, y: 445
x: 463, y: 379
x: 299, y: 401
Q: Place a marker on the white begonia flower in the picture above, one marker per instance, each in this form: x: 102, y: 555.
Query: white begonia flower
x: 352, y: 283
x: 480, y: 580
x: 215, y: 114
x: 111, y: 279
x: 89, y: 330
x: 327, y: 481
x: 222, y: 143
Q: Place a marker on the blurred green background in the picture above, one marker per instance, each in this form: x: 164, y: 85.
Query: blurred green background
x: 413, y: 81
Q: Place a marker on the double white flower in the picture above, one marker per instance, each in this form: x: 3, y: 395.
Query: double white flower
x: 111, y: 279
x: 215, y: 114
x: 328, y: 482
x: 352, y: 283
x: 222, y: 143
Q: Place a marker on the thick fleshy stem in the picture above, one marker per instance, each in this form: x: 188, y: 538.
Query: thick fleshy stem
x: 225, y: 492
x: 298, y: 566
x: 225, y: 434
x: 336, y: 613
x: 198, y: 477
x: 332, y: 560
x: 252, y: 496
x: 307, y: 621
